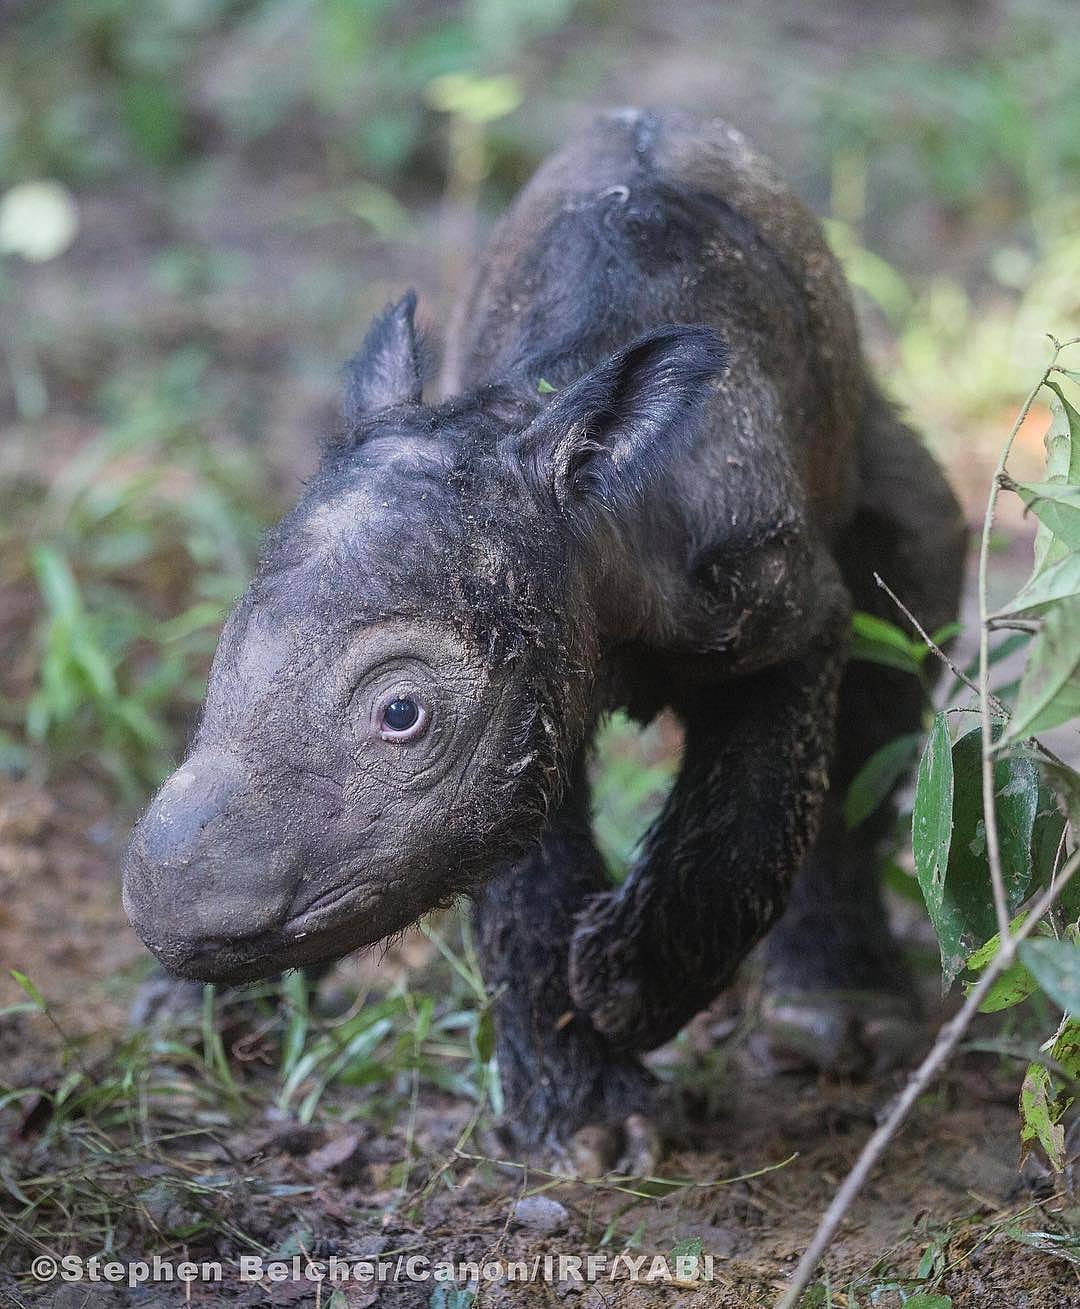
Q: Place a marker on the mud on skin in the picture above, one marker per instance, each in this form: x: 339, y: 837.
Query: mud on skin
x: 401, y: 706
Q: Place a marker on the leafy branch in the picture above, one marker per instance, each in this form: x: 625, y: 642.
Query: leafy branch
x: 993, y: 849
x: 996, y: 806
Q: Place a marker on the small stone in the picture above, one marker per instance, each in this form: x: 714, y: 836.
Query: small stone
x: 540, y: 1214
x: 335, y: 1154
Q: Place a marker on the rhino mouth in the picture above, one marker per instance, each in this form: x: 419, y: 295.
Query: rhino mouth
x: 234, y: 961
x: 250, y: 959
x: 327, y: 929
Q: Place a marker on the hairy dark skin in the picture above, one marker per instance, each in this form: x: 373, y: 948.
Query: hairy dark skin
x: 401, y: 707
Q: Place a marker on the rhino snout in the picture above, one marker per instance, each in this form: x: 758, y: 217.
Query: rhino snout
x: 203, y: 874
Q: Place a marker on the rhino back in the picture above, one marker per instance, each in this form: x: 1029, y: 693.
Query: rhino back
x: 650, y: 218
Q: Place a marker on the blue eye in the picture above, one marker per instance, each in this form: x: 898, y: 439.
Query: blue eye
x: 401, y: 715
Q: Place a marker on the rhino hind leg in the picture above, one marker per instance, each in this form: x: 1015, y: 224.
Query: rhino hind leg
x: 838, y: 994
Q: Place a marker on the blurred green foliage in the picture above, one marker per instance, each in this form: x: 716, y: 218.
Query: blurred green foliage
x: 992, y: 132
x: 137, y: 547
x: 91, y: 88
x: 633, y: 772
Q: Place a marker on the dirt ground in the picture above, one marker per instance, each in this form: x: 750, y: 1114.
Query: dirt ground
x: 949, y: 1190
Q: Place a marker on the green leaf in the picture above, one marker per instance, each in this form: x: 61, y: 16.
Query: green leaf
x: 21, y: 980
x: 1063, y: 438
x: 957, y: 891
x: 1057, y: 582
x: 1048, y: 580
x: 153, y: 114
x: 485, y: 1036
x: 1056, y: 504
x: 1050, y: 688
x: 1042, y: 1101
x: 1011, y: 988
x: 142, y: 726
x: 1055, y: 965
x: 931, y: 830
x: 877, y: 777
x: 1016, y: 791
x: 56, y: 582
x: 91, y: 660
x: 978, y: 959
x: 1039, y: 1114
x: 933, y: 1261
x: 1014, y: 985
x: 1048, y: 850
x: 1065, y: 1048
x: 876, y: 641
x: 923, y: 1300
x: 475, y: 99
x: 946, y: 633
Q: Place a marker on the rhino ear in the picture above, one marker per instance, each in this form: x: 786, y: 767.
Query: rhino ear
x: 386, y: 370
x: 613, y: 431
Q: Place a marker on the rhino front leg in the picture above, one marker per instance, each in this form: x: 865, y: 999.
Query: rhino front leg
x: 718, y: 864
x: 571, y: 1098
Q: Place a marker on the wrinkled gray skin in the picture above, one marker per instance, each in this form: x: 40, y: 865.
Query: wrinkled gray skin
x: 686, y: 522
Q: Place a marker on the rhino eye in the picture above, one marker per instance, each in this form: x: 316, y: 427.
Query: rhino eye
x: 400, y: 715
x: 402, y: 719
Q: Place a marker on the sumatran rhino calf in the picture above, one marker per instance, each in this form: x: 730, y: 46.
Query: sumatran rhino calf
x: 402, y: 705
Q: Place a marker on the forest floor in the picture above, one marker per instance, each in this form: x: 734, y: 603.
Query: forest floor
x: 203, y: 1171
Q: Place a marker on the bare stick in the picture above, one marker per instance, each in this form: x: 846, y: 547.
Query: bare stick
x: 920, y: 1079
x: 958, y: 673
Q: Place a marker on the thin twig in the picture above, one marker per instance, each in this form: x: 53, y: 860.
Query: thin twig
x: 615, y: 1181
x: 993, y: 848
x: 920, y: 1079
x: 1025, y: 625
x: 962, y: 677
x: 958, y: 673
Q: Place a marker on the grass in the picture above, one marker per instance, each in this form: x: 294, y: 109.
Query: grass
x: 136, y: 547
x: 226, y: 1128
x: 133, y: 1144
